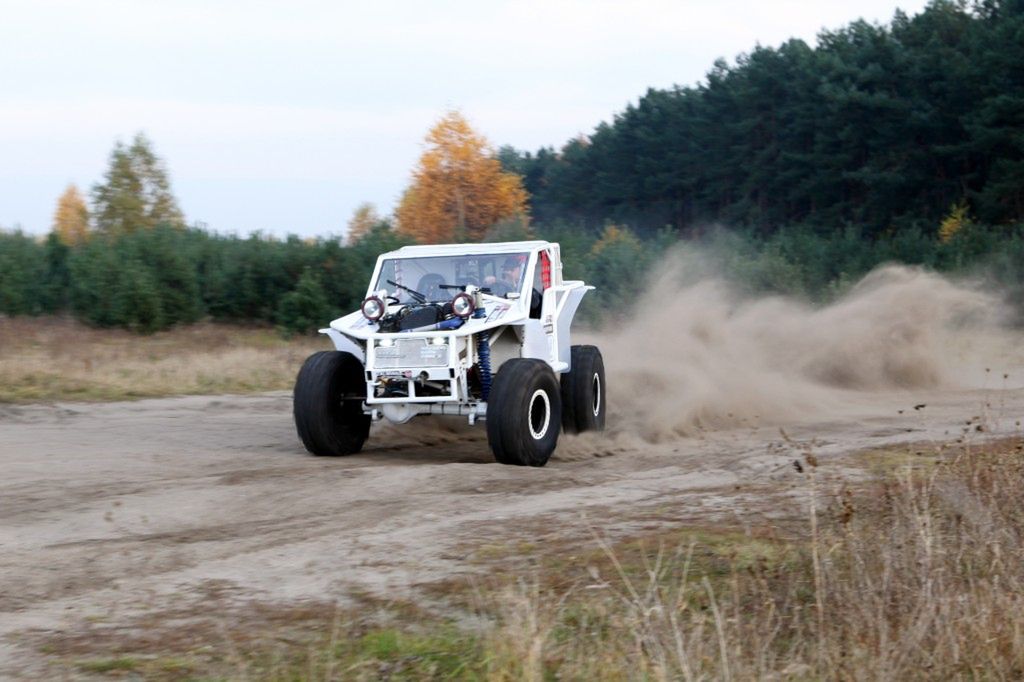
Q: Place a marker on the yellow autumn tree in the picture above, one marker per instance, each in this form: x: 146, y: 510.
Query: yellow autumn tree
x: 954, y: 222
x: 71, y: 219
x: 362, y: 221
x: 459, y: 189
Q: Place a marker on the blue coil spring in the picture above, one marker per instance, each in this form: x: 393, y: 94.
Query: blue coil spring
x: 483, y: 346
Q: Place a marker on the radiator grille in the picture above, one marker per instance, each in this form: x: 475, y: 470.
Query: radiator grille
x: 411, y: 353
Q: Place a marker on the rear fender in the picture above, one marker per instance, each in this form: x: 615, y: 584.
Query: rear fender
x: 567, y: 311
x: 549, y: 338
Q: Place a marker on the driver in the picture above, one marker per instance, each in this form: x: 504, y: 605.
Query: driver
x: 511, y: 270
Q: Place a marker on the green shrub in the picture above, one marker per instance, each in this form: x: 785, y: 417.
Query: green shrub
x: 306, y: 308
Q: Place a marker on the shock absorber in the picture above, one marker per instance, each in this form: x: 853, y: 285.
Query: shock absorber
x: 483, y: 351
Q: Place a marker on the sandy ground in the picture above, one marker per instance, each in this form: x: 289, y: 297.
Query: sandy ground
x: 110, y: 510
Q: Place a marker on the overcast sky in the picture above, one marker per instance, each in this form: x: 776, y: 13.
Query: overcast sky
x: 284, y: 116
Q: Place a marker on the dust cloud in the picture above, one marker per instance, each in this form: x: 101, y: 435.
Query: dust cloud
x: 699, y: 355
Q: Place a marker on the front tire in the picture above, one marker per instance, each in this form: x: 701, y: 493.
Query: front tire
x: 328, y: 404
x: 583, y: 391
x: 524, y: 413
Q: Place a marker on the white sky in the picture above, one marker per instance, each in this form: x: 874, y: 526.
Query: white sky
x: 284, y: 116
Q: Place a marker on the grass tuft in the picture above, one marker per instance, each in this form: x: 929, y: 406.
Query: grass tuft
x: 108, y: 665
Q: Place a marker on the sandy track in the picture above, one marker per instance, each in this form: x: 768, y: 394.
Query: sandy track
x: 109, y: 510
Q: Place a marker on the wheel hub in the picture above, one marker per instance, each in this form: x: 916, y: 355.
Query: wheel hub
x: 540, y: 413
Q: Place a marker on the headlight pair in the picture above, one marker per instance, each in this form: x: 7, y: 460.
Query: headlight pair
x: 462, y: 305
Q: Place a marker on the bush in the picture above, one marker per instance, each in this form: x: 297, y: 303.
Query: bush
x: 144, y: 280
x: 23, y: 275
x: 306, y: 308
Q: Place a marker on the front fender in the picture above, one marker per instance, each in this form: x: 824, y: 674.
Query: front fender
x: 344, y: 343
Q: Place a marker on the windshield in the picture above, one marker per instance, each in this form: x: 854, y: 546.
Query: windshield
x: 431, y: 276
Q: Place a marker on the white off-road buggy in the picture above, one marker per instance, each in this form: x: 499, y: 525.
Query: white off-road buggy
x: 477, y: 330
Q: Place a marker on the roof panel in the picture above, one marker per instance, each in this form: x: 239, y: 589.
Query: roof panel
x: 464, y: 249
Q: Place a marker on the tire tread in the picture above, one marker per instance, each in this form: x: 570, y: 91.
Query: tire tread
x: 324, y: 424
x: 576, y: 389
x: 508, y: 422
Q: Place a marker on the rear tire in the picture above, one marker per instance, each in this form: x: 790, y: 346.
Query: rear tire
x: 524, y: 413
x: 328, y: 404
x: 583, y: 391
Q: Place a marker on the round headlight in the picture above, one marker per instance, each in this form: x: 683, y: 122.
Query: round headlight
x: 462, y: 305
x: 373, y: 308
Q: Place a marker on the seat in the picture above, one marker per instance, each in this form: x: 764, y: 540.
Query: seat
x: 428, y: 286
x: 535, y: 304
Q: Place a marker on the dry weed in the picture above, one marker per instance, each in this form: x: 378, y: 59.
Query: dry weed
x: 920, y: 577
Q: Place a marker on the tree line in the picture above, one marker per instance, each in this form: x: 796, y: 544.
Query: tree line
x: 129, y: 260
x: 152, y: 279
x: 884, y: 143
x: 885, y: 127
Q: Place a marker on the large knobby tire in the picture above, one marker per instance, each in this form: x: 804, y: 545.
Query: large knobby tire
x: 328, y: 404
x: 583, y: 391
x: 524, y: 413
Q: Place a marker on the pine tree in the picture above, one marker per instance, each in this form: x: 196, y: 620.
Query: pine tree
x: 136, y: 192
x: 306, y: 307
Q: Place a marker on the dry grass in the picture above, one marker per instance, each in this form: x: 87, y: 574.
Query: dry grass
x: 918, y: 577
x: 45, y: 359
x: 918, y: 574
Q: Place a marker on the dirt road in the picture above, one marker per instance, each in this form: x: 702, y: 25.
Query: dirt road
x: 110, y: 510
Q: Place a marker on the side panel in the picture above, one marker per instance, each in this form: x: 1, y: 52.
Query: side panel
x: 536, y: 342
x: 506, y: 344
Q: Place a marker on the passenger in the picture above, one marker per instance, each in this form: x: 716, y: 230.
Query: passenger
x: 511, y: 271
